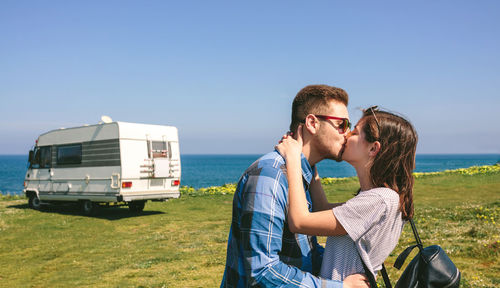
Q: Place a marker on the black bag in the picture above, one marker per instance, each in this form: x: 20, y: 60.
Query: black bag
x: 430, y: 268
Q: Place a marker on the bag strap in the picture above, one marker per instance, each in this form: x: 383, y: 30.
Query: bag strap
x: 402, y: 257
x: 399, y: 261
x: 387, y: 281
x: 371, y: 278
x: 368, y: 273
x: 415, y: 233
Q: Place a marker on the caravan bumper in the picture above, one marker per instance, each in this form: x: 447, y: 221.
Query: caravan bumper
x: 159, y: 196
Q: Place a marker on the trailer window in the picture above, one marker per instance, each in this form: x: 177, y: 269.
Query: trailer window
x: 173, y: 149
x: 157, y: 149
x: 45, y: 157
x: 35, y: 162
x: 70, y: 154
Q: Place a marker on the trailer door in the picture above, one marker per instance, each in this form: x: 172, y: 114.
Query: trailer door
x: 158, y: 154
x: 165, y: 158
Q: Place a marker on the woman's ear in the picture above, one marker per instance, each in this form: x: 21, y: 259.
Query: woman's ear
x: 374, y: 149
x: 311, y: 124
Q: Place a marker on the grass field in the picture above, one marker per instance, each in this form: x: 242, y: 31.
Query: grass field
x: 182, y: 242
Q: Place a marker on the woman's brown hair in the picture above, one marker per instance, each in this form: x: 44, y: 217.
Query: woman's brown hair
x: 393, y: 165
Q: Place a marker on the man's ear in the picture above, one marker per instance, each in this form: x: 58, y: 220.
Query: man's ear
x: 311, y: 124
x: 374, y: 149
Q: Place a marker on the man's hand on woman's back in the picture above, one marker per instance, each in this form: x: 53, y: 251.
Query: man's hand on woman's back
x: 356, y: 281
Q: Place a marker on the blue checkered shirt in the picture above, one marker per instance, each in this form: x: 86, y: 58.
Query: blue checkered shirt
x: 261, y: 250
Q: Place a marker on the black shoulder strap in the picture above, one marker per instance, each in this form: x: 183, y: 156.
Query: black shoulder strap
x: 397, y: 264
x: 415, y: 233
x: 371, y: 278
x: 369, y: 274
x: 402, y: 257
x: 387, y: 281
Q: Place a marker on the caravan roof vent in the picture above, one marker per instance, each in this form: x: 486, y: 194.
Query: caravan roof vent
x: 106, y: 119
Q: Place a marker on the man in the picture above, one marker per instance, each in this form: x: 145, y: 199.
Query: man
x: 261, y: 251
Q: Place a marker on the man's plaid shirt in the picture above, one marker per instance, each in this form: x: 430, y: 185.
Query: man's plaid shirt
x: 261, y: 250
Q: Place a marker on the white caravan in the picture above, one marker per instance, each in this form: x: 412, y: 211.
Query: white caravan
x: 111, y: 162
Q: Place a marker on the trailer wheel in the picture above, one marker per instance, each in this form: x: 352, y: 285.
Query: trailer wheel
x: 34, y: 202
x: 88, y: 207
x: 136, y: 206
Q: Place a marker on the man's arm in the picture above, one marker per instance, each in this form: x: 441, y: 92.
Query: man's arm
x: 318, y: 196
x: 262, y: 220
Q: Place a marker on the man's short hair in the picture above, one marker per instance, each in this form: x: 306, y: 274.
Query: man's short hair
x: 314, y: 99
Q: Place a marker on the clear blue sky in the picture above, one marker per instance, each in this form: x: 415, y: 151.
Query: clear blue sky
x: 225, y: 72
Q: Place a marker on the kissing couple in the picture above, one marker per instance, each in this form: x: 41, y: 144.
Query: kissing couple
x: 279, y: 205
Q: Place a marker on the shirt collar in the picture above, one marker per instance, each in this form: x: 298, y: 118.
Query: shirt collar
x: 307, y: 171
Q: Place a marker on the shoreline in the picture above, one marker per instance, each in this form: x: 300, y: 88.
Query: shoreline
x: 229, y: 188
x: 203, y: 171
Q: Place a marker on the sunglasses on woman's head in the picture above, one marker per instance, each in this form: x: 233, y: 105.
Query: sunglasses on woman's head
x: 372, y: 110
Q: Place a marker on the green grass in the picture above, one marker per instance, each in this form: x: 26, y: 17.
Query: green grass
x: 460, y: 213
x: 179, y: 243
x: 182, y: 242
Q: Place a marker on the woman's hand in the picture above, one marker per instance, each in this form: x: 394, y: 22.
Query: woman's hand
x: 300, y: 220
x: 290, y: 147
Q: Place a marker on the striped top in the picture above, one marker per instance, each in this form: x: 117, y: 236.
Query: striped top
x: 373, y: 223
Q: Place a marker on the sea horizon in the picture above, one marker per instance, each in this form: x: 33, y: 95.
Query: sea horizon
x: 206, y: 170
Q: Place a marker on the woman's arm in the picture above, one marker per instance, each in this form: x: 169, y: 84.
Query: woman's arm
x: 300, y: 220
x: 318, y: 196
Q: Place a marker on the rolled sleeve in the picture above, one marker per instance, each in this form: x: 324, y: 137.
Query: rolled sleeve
x: 360, y: 213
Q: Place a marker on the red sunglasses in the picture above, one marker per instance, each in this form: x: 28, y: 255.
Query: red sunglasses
x: 342, y: 127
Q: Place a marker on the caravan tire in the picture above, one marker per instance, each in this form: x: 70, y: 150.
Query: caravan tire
x: 34, y: 202
x: 88, y: 207
x: 136, y: 206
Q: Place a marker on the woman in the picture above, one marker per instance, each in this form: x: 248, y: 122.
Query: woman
x: 382, y: 150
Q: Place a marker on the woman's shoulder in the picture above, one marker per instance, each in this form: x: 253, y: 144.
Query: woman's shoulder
x: 387, y: 194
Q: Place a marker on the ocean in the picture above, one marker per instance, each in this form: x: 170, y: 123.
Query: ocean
x: 215, y: 170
